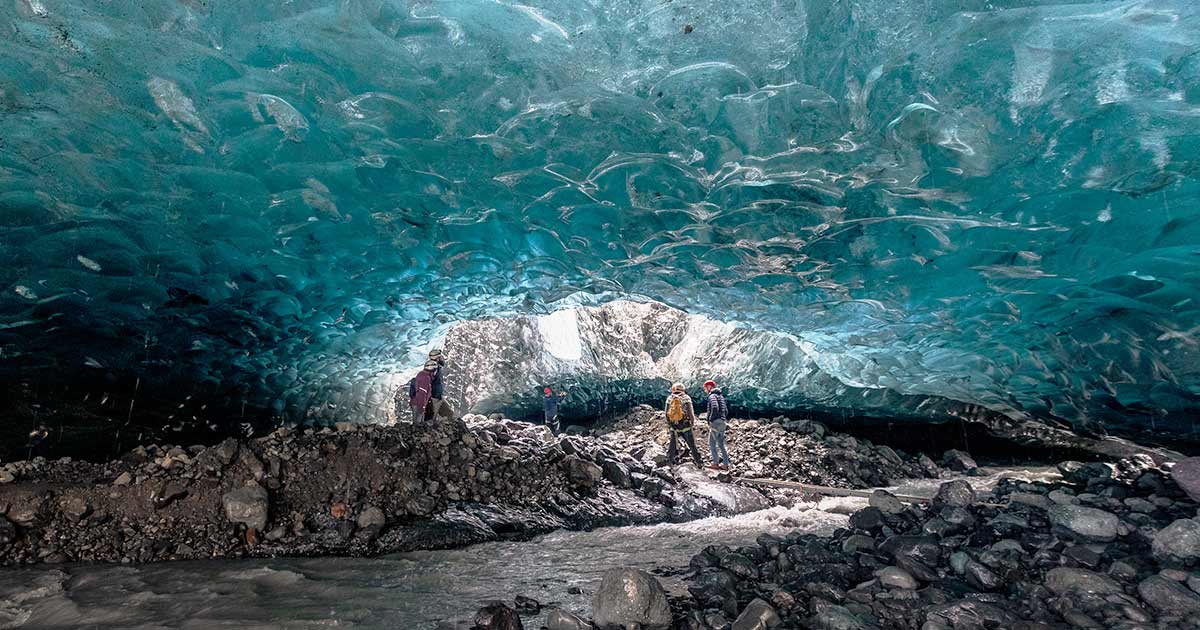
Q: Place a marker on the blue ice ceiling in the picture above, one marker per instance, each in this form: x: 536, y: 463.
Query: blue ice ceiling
x: 997, y: 196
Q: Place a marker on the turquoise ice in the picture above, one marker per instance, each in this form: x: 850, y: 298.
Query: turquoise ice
x: 997, y: 199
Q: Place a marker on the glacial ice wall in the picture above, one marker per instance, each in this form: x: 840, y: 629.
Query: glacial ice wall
x: 990, y: 199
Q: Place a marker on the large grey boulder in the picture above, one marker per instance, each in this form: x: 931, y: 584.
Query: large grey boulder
x: 248, y: 505
x: 959, y: 461
x: 957, y: 493
x: 1178, y: 541
x: 1168, y: 596
x: 497, y: 616
x: 582, y: 473
x: 1089, y: 524
x: 1070, y: 581
x: 759, y: 615
x: 627, y: 597
x: 1186, y: 474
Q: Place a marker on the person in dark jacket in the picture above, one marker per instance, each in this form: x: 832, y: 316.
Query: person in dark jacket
x: 550, y: 408
x: 681, y: 417
x: 718, y: 421
x: 437, y: 402
x: 422, y: 391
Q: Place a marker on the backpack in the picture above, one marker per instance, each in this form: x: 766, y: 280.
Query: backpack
x: 721, y: 412
x: 675, y: 409
x: 412, y: 388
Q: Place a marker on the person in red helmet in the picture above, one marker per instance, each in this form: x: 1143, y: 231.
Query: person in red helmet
x: 550, y: 407
x: 718, y: 422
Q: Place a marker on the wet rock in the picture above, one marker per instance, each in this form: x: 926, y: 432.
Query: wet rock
x: 1066, y: 581
x: 617, y: 474
x: 758, y: 615
x: 868, y: 519
x: 527, y: 605
x: 497, y: 616
x: 582, y: 473
x: 248, y: 505
x: 886, y: 502
x: 1186, y: 474
x: 833, y: 617
x: 8, y: 531
x: 957, y: 493
x: 981, y: 577
x: 959, y: 461
x: 1089, y: 524
x: 1179, y: 541
x: 1033, y: 500
x: 895, y: 577
x: 1168, y: 596
x: 627, y: 597
x: 562, y: 620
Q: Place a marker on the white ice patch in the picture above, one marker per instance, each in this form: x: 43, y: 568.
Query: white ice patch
x: 88, y: 262
x: 560, y: 334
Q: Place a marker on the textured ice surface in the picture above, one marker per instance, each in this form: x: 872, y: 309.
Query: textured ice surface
x: 993, y: 200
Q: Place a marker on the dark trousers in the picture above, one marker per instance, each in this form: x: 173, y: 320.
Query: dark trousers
x: 688, y: 439
x: 552, y: 422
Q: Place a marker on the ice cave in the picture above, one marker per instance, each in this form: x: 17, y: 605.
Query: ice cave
x: 899, y: 226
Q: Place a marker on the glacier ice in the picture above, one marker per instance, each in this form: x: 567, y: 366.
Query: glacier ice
x: 986, y: 201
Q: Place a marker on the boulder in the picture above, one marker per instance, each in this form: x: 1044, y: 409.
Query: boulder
x: 1084, y: 523
x: 959, y: 461
x: 628, y: 596
x: 895, y: 577
x: 248, y: 505
x: 831, y: 617
x: 497, y: 616
x: 957, y: 493
x: 1178, y: 541
x: 1186, y: 474
x: 617, y: 474
x: 758, y: 615
x: 582, y: 473
x: 371, y: 518
x: 1065, y: 581
x: 886, y: 502
x: 563, y: 620
x: 1168, y: 596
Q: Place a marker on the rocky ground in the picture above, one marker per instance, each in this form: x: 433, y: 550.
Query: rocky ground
x: 1111, y: 546
x: 367, y: 490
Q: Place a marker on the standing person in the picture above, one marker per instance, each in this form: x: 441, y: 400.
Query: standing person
x: 550, y: 408
x: 718, y: 421
x: 437, y: 402
x: 421, y: 391
x: 681, y: 417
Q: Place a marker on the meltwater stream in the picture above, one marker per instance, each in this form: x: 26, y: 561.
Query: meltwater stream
x: 435, y: 589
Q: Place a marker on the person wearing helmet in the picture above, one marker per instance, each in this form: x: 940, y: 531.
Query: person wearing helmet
x: 680, y: 418
x: 550, y: 407
x: 718, y: 421
x: 437, y: 402
x: 421, y: 391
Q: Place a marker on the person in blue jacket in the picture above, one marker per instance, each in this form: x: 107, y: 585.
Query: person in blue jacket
x: 718, y: 421
x: 550, y: 407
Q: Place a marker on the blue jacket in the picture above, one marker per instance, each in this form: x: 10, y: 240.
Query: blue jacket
x: 550, y: 404
x: 439, y: 385
x: 718, y: 410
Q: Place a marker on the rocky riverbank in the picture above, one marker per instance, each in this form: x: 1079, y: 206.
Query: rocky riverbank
x: 366, y: 490
x: 1111, y: 546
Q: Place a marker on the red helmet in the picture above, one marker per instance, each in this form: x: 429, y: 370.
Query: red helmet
x: 708, y: 384
x: 547, y: 391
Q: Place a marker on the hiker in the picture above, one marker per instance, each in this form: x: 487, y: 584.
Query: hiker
x: 718, y: 421
x: 437, y: 402
x: 550, y: 407
x: 680, y: 418
x: 421, y: 391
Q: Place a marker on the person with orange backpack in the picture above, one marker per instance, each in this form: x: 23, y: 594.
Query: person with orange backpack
x: 681, y: 417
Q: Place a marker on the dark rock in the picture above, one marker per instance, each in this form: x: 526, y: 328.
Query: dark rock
x: 758, y: 615
x: 248, y: 505
x: 895, y: 577
x: 833, y: 617
x: 886, y: 502
x: 527, y: 605
x: 1066, y: 581
x: 1084, y: 523
x: 980, y: 577
x: 617, y: 474
x: 1168, y: 596
x: 629, y: 596
x: 169, y: 493
x: 582, y: 473
x: 497, y: 616
x: 8, y: 531
x: 959, y: 461
x: 1179, y: 541
x: 868, y: 519
x: 957, y: 493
